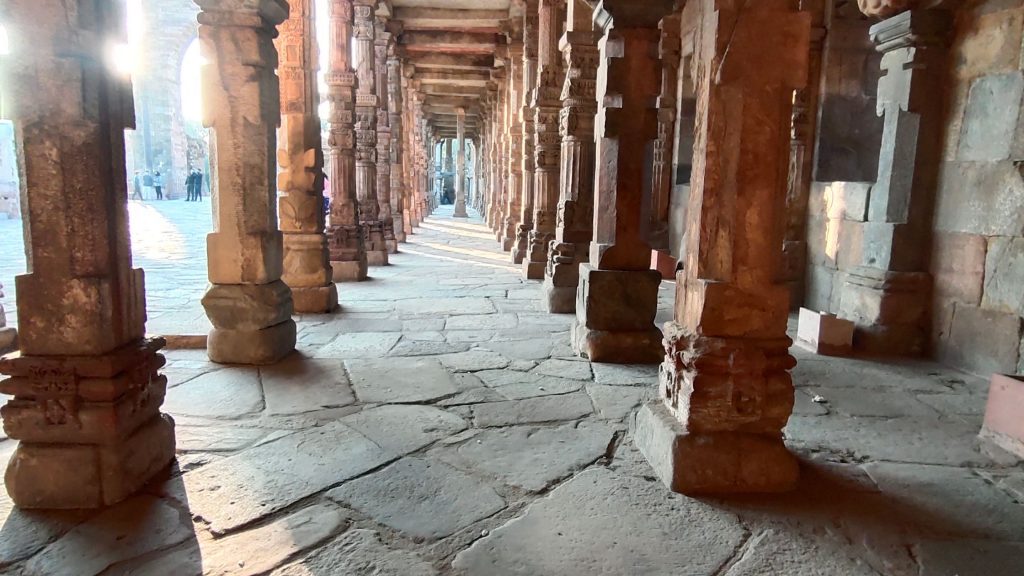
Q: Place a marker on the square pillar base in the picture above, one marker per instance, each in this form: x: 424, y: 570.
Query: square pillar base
x: 891, y: 310
x: 71, y: 476
x: 377, y: 257
x: 559, y: 299
x: 392, y: 245
x: 256, y: 347
x: 533, y: 270
x: 8, y: 340
x: 349, y: 271
x: 1003, y: 425
x: 712, y: 463
x: 615, y: 312
x: 315, y: 300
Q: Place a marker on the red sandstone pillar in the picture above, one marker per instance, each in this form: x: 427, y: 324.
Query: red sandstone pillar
x: 86, y: 385
x: 617, y: 298
x: 726, y: 391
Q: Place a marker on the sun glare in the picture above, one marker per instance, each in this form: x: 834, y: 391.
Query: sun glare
x: 191, y: 83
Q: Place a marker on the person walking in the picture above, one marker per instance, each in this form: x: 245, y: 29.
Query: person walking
x: 158, y: 185
x: 136, y: 187
x: 190, y: 183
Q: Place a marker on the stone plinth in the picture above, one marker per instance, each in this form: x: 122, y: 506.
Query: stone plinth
x: 615, y: 313
x: 248, y: 304
x: 824, y: 333
x: 890, y: 310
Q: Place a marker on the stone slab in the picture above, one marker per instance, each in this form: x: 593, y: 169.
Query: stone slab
x: 601, y: 522
x: 474, y: 361
x: 421, y: 498
x: 532, y: 349
x: 625, y: 374
x: 421, y: 307
x: 572, y: 369
x: 219, y: 394
x: 617, y: 402
x: 880, y: 403
x: 400, y: 380
x: 359, y: 345
x: 533, y: 410
x: 405, y: 428
x: 530, y: 457
x: 135, y: 527
x: 253, y: 484
x: 783, y: 551
x: 482, y: 322
x: 215, y: 438
x: 990, y: 119
x: 298, y: 385
x: 358, y: 553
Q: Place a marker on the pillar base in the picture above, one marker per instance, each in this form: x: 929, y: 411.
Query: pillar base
x: 712, y: 462
x: 506, y: 243
x: 615, y: 312
x: 255, y: 347
x: 315, y: 300
x: 664, y: 263
x: 72, y: 476
x: 891, y: 310
x: 350, y: 271
x: 460, y: 213
x: 377, y: 257
x: 533, y: 270
x: 520, y: 244
x: 559, y: 299
x: 392, y: 244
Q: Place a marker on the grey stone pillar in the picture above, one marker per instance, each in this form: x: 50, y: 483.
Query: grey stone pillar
x: 460, y: 167
x: 248, y: 304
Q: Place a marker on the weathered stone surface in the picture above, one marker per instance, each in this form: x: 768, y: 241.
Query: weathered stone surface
x: 404, y: 429
x: 237, y: 490
x: 572, y: 369
x: 517, y: 385
x: 625, y: 374
x: 298, y: 385
x: 215, y: 438
x: 358, y: 553
x: 135, y: 527
x: 969, y: 190
x: 779, y: 551
x: 482, y: 322
x: 421, y: 498
x: 359, y: 345
x: 982, y: 341
x: 923, y: 440
x: 473, y: 396
x: 532, y: 349
x: 1003, y: 272
x: 419, y: 348
x: 218, y: 394
x: 601, y: 521
x: 853, y: 402
x: 400, y: 380
x: 438, y: 306
x: 990, y: 119
x: 474, y: 361
x: 617, y: 402
x: 958, y: 266
x: 939, y: 495
x: 940, y: 557
x: 529, y: 457
x: 531, y: 410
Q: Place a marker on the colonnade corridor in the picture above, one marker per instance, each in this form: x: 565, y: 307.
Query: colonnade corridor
x: 441, y: 424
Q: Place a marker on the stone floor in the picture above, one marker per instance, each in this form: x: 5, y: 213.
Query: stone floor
x: 441, y: 425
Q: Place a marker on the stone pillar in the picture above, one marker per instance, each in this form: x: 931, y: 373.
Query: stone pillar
x: 307, y: 267
x: 86, y: 385
x: 248, y: 304
x: 801, y: 160
x: 524, y: 107
x: 514, y: 148
x: 661, y: 182
x: 395, y: 110
x: 617, y: 298
x: 575, y: 220
x: 726, y: 391
x: 345, y: 236
x: 380, y: 52
x: 889, y: 295
x: 498, y: 144
x: 460, y: 167
x: 366, y: 133
x: 546, y: 103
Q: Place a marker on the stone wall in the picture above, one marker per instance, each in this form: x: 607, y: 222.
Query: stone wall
x: 978, y: 248
x: 977, y: 244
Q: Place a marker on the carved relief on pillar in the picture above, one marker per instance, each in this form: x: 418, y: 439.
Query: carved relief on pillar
x: 547, y: 151
x: 669, y: 51
x: 395, y: 109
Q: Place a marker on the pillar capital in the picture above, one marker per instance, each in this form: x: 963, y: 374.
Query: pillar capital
x: 253, y: 13
x: 917, y: 28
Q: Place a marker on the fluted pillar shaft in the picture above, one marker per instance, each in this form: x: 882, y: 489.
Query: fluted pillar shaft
x: 513, y: 157
x: 395, y: 111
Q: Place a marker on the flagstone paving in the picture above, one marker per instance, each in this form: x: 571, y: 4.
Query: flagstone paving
x: 439, y: 424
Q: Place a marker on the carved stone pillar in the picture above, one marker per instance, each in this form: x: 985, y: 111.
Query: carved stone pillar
x: 498, y: 146
x: 460, y: 166
x: 547, y: 144
x: 617, y: 297
x: 661, y: 182
x: 726, y: 391
x: 889, y: 295
x: 801, y: 160
x: 248, y: 304
x: 527, y: 118
x: 380, y: 52
x: 366, y: 132
x: 575, y: 221
x: 86, y: 385
x: 395, y: 110
x: 514, y: 149
x: 307, y: 267
x: 345, y: 236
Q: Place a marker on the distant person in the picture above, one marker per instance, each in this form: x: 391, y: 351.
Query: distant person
x: 190, y: 185
x: 198, y: 183
x: 147, y: 180
x: 136, y: 186
x: 158, y: 185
